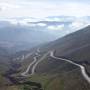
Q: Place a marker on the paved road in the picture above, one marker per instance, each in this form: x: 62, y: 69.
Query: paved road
x: 83, y: 70
x: 32, y: 66
x: 36, y: 64
x: 28, y: 68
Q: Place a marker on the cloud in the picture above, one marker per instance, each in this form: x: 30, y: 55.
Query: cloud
x: 6, y: 6
x: 13, y: 21
x: 0, y: 9
x: 58, y: 27
x: 41, y: 24
x: 78, y: 24
x: 59, y: 19
x: 53, y: 19
x: 30, y: 19
x: 31, y: 22
x: 43, y: 9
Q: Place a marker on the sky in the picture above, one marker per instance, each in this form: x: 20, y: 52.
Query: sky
x: 20, y: 12
x: 43, y: 8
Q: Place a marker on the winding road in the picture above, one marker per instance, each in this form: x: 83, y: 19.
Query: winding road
x: 36, y: 61
x: 36, y: 64
x: 32, y: 66
x: 83, y: 70
x: 28, y: 68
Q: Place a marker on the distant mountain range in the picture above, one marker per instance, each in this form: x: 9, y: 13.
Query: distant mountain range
x: 16, y: 37
x: 57, y: 26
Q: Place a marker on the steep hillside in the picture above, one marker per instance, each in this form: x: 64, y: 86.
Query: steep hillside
x: 57, y: 73
x: 74, y: 43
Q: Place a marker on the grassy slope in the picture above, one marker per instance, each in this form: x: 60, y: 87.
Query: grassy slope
x: 65, y: 81
x: 75, y: 47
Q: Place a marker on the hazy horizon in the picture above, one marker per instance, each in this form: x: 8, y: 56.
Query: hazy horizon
x: 65, y: 16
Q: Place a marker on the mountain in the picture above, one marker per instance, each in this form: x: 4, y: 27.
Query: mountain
x: 72, y: 45
x: 75, y: 46
x: 61, y: 75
